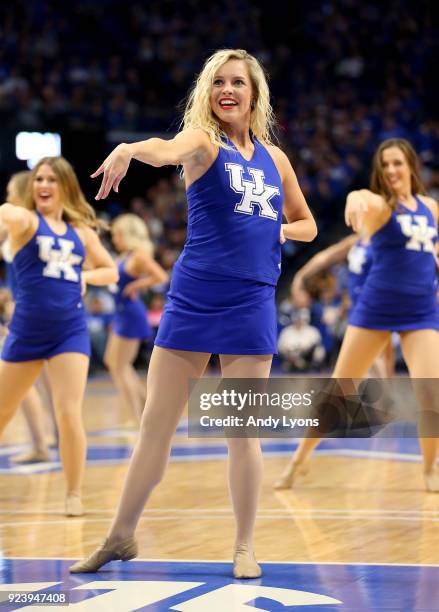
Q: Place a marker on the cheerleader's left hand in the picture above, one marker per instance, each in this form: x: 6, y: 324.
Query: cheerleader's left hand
x: 282, y: 238
x: 131, y: 290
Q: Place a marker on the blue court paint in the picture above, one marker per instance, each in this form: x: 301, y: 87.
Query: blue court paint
x: 208, y: 586
x: 402, y: 449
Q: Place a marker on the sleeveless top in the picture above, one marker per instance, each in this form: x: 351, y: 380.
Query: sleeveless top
x: 234, y: 217
x: 403, y: 252
x: 48, y: 275
x: 123, y: 301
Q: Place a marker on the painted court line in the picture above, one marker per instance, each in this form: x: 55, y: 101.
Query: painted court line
x: 319, y: 516
x: 263, y: 511
x: 271, y: 562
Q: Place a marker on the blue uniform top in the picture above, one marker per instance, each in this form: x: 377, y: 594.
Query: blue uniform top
x: 123, y: 301
x: 234, y: 217
x: 359, y: 264
x: 48, y: 275
x: 11, y: 281
x: 403, y: 252
x: 130, y: 317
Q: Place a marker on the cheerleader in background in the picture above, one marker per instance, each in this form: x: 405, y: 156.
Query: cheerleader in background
x: 137, y: 271
x: 32, y: 406
x: 356, y: 252
x: 400, y: 291
x: 49, y: 240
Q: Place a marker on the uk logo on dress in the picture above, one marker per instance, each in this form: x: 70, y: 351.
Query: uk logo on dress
x: 420, y: 233
x: 356, y: 259
x: 254, y: 193
x: 59, y: 261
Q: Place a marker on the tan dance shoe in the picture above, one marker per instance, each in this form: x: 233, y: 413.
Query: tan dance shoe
x: 122, y: 551
x: 35, y: 456
x: 431, y: 480
x: 244, y: 563
x: 293, y: 470
x: 74, y: 506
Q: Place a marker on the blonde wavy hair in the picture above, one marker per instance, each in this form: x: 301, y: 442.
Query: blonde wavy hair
x: 17, y: 187
x: 76, y: 209
x: 378, y: 183
x: 135, y: 232
x: 198, y: 112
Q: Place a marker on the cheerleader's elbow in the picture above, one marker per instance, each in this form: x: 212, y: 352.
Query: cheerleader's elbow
x: 312, y: 231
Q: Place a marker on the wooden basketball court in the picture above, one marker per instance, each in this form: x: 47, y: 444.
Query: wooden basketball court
x: 357, y: 506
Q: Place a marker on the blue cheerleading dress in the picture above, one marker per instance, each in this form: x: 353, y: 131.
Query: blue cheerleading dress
x: 221, y: 298
x: 399, y: 293
x: 49, y: 316
x: 130, y: 317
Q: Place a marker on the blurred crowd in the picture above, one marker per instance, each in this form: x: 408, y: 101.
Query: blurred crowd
x: 343, y: 75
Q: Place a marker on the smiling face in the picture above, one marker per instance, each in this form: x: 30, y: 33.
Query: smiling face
x: 46, y: 190
x: 396, y: 170
x: 232, y: 93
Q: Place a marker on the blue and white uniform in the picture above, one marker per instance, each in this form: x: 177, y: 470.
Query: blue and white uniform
x: 129, y: 319
x: 359, y: 264
x: 49, y: 316
x: 399, y: 293
x: 221, y: 298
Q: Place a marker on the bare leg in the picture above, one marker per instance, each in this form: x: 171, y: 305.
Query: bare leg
x: 68, y: 377
x: 421, y: 349
x: 43, y: 388
x: 15, y: 381
x: 167, y: 394
x: 245, y: 468
x: 34, y: 415
x: 245, y: 456
x: 359, y: 350
x: 389, y: 359
x: 379, y: 368
x: 119, y: 358
x: 384, y: 365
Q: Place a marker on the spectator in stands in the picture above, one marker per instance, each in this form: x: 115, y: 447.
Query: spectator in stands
x: 300, y: 344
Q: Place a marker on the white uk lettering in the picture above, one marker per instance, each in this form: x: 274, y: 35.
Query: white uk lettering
x: 134, y: 594
x: 129, y: 595
x: 59, y: 261
x: 239, y: 598
x: 356, y: 259
x: 420, y: 233
x: 254, y: 193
